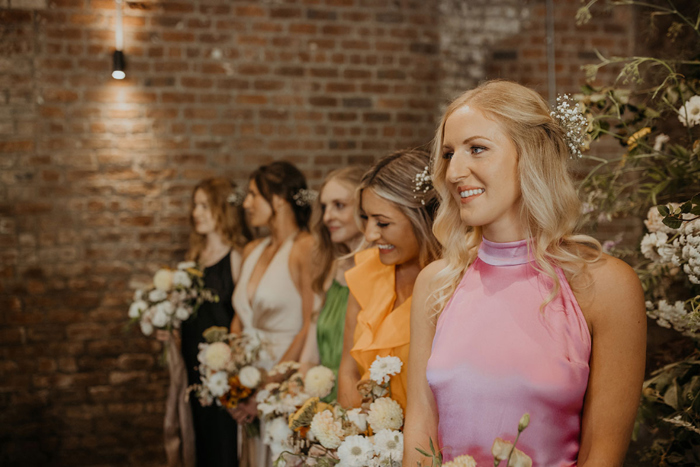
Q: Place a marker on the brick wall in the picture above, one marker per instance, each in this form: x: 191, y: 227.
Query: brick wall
x: 96, y: 174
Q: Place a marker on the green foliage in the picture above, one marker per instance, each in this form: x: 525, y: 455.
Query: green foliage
x: 658, y: 164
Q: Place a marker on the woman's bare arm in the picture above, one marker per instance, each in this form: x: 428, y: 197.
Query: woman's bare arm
x: 614, y: 308
x: 421, y: 410
x: 348, y: 373
x: 301, y: 261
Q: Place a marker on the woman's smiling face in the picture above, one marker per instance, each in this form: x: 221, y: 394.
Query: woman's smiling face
x: 388, y: 229
x: 482, y: 173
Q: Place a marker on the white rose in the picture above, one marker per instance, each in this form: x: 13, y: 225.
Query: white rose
x: 186, y: 265
x: 249, y: 376
x: 182, y: 313
x: 146, y: 328
x: 217, y: 355
x: 156, y: 295
x: 160, y: 318
x: 137, y: 308
x: 163, y: 280
x: 182, y: 279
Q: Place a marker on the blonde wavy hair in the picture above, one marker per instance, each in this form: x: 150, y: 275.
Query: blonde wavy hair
x: 394, y: 179
x: 550, y: 206
x: 229, y: 217
x: 326, y: 251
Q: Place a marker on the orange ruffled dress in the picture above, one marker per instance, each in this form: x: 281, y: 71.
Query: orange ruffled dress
x: 381, y: 330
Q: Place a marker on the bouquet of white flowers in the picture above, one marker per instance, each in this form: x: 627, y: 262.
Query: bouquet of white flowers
x: 174, y: 297
x: 226, y: 366
x: 329, y: 434
x: 282, y: 397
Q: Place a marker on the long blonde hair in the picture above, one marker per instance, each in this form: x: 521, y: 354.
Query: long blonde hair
x: 326, y: 251
x: 550, y: 206
x: 394, y: 179
x: 228, y: 216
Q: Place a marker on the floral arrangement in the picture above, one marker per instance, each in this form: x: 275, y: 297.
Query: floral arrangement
x: 174, y: 296
x: 326, y: 434
x: 657, y: 178
x: 226, y: 366
x: 501, y: 450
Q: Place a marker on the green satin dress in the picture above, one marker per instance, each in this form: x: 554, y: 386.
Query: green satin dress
x: 329, y: 331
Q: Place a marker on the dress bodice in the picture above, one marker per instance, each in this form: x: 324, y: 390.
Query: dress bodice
x: 382, y: 330
x: 497, y: 355
x: 330, y: 329
x: 274, y: 314
x: 219, y: 278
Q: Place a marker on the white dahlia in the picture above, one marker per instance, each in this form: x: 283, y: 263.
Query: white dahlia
x: 461, y: 461
x: 385, y: 414
x: 383, y: 368
x: 319, y: 381
x: 136, y: 308
x: 217, y: 355
x: 182, y: 279
x: 327, y: 429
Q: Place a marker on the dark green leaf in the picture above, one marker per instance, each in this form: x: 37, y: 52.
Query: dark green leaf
x: 696, y: 199
x: 663, y: 210
x: 672, y: 222
x: 685, y: 207
x: 695, y: 210
x: 587, y: 90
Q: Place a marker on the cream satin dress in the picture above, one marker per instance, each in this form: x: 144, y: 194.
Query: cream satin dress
x: 274, y: 315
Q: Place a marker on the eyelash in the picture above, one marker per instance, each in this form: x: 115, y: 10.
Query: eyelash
x: 449, y: 155
x: 381, y: 225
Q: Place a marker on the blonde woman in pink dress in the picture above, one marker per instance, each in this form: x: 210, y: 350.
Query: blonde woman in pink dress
x: 522, y: 315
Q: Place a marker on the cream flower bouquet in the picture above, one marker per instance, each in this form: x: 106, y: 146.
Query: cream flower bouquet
x: 327, y: 434
x: 227, y: 368
x: 174, y: 296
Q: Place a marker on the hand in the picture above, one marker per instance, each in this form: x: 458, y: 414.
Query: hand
x: 164, y: 336
x: 246, y: 411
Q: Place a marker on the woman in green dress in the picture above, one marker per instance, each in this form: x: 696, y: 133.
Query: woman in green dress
x: 337, y: 234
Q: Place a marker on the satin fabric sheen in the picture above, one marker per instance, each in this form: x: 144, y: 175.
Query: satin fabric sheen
x: 381, y: 329
x: 330, y: 328
x: 496, y: 356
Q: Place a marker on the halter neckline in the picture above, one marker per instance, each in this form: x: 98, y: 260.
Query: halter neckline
x: 505, y: 254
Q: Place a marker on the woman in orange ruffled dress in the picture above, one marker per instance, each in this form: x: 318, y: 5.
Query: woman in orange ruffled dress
x: 397, y: 203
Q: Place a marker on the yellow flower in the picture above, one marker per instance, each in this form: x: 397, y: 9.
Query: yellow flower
x: 195, y: 272
x: 632, y: 141
x: 304, y: 415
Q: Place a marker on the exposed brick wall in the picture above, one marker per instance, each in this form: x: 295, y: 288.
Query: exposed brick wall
x: 96, y: 174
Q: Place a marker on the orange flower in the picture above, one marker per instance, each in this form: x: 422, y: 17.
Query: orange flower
x: 237, y: 393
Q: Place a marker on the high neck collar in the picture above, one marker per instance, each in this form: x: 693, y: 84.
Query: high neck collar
x: 505, y: 254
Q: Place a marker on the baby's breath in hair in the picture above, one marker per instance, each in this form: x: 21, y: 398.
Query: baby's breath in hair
x: 424, y: 183
x: 304, y: 197
x: 572, y: 121
x: 236, y: 197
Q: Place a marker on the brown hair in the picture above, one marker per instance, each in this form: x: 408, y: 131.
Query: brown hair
x: 228, y: 216
x: 285, y: 180
x: 394, y: 179
x: 327, y: 251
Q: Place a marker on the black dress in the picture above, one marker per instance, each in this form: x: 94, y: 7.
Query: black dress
x: 215, y: 431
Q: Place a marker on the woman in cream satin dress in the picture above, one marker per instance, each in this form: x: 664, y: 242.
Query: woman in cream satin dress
x: 273, y: 298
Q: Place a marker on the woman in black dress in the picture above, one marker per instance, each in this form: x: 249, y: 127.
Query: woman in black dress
x: 218, y: 235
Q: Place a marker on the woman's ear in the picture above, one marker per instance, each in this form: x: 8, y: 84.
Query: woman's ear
x: 277, y: 203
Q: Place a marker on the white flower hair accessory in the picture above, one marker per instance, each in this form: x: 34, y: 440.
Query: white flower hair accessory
x: 423, y: 184
x: 572, y: 121
x: 304, y: 197
x: 236, y: 197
